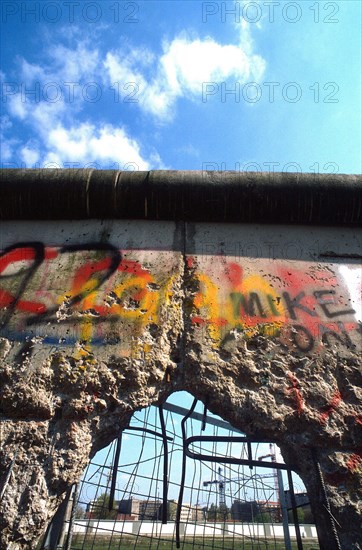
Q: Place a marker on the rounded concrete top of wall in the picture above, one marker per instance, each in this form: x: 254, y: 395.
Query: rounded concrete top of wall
x: 239, y: 197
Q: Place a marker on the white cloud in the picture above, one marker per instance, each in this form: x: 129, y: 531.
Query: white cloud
x: 7, y: 144
x: 63, y: 137
x: 87, y: 143
x: 17, y: 106
x: 76, y: 64
x: 189, y: 149
x: 183, y: 67
x: 62, y: 128
x: 44, y: 115
x: 126, y: 65
x: 5, y: 123
x: 29, y: 155
x: 63, y: 64
x: 62, y: 143
x: 31, y: 72
x: 186, y: 65
x: 7, y: 149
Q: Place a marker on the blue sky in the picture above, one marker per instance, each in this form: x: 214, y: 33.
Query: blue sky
x: 140, y: 466
x: 148, y: 85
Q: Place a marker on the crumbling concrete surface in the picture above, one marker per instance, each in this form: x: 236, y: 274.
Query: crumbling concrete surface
x: 92, y: 333
x: 55, y: 416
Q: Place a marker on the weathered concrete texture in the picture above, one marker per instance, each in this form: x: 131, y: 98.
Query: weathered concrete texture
x: 57, y: 414
x: 102, y: 321
x: 272, y: 395
x: 56, y: 419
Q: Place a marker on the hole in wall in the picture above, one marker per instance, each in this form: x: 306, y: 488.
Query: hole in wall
x: 123, y: 501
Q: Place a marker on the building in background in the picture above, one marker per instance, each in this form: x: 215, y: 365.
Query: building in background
x: 129, y: 509
x: 134, y: 509
x: 245, y: 511
x: 259, y: 511
x: 150, y: 510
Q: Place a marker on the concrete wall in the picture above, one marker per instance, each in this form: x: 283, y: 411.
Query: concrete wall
x: 105, y: 283
x: 250, y: 530
x: 101, y: 318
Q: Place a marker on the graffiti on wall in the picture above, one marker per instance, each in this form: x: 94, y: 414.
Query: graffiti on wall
x: 76, y: 292
x: 303, y: 306
x: 98, y: 294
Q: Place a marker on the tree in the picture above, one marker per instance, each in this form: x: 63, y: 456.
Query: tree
x: 79, y: 512
x: 99, y: 508
x: 171, y: 510
x: 217, y: 513
x: 262, y: 517
x: 223, y: 512
x: 300, y: 515
x: 212, y: 513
